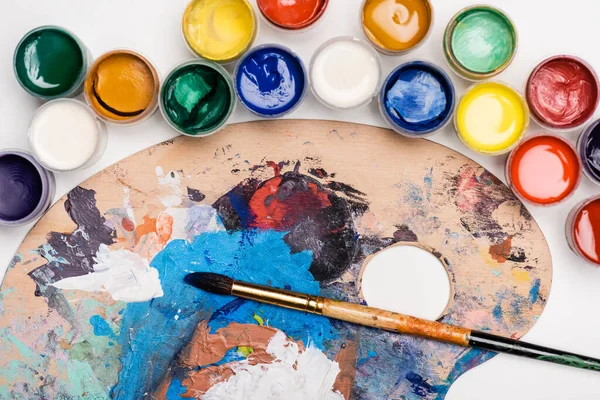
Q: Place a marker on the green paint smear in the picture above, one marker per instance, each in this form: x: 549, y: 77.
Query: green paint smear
x: 483, y: 40
x: 49, y: 63
x: 197, y: 99
x: 258, y: 319
x: 245, y: 351
x: 571, y: 361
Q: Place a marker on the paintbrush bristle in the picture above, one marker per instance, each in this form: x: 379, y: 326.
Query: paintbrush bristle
x: 213, y: 283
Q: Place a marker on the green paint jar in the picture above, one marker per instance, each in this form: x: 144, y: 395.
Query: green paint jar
x: 51, y: 62
x: 480, y: 42
x: 197, y: 98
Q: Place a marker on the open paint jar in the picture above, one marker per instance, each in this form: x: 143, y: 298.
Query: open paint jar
x: 122, y: 87
x: 491, y: 118
x: 562, y: 93
x: 197, y: 98
x: 480, y: 42
x: 270, y: 81
x: 588, y: 147
x: 26, y: 188
x: 345, y: 73
x: 219, y: 30
x: 65, y: 135
x: 51, y: 62
x: 583, y: 230
x: 396, y: 27
x: 292, y: 16
x: 417, y: 99
x: 543, y: 170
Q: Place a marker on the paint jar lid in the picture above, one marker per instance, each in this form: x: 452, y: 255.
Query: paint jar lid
x: 42, y: 189
x: 543, y: 170
x: 582, y: 230
x: 179, y: 107
x: 51, y: 62
x: 489, y: 28
x: 293, y: 17
x: 350, y: 86
x: 284, y: 107
x: 425, y: 117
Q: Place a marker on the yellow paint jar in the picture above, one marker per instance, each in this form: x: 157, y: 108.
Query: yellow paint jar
x: 219, y: 30
x: 491, y: 118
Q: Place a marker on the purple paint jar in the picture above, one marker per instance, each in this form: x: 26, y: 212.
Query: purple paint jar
x: 26, y: 188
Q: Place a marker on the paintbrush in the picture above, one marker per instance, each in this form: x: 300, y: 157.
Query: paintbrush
x: 386, y: 320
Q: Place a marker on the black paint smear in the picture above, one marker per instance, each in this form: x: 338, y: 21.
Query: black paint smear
x: 109, y: 108
x: 78, y: 248
x: 195, y: 195
x: 346, y: 189
x: 320, y: 173
x: 517, y: 255
x: 404, y: 234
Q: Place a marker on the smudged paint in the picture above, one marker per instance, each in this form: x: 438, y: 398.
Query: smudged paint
x: 101, y: 327
x: 534, y: 293
x: 501, y: 252
x: 195, y: 195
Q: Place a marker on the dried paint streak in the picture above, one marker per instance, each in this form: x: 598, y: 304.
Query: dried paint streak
x: 534, y: 293
x: 501, y: 251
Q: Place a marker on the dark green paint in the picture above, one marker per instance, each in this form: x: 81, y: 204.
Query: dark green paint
x: 50, y: 63
x: 197, y: 98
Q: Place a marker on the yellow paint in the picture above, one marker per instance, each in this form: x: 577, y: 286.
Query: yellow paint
x: 245, y: 351
x: 219, y: 30
x: 491, y: 118
x: 521, y: 276
x: 258, y: 319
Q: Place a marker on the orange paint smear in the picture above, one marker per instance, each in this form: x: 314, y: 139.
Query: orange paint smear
x: 501, y: 252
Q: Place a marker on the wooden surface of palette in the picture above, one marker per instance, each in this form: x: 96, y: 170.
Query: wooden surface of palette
x: 278, y: 202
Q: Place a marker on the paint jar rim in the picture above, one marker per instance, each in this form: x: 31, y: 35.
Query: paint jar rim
x: 100, y: 146
x: 538, y: 119
x: 284, y: 49
x: 415, y: 134
x: 389, y: 52
x: 255, y: 31
x: 85, y: 54
x: 570, y: 228
x: 232, y: 103
x: 525, y: 126
x: 520, y: 196
x: 453, y: 62
x: 300, y: 29
x: 148, y: 112
x: 365, y: 45
x: 582, y: 150
x: 397, y: 52
x: 48, y: 188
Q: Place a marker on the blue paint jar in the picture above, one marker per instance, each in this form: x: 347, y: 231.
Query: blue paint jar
x: 417, y: 99
x: 270, y: 81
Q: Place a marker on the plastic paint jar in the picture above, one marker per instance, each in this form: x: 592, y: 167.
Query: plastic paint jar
x: 543, y: 170
x: 270, y: 81
x: 345, y: 73
x: 562, y: 92
x: 197, y: 98
x: 582, y: 230
x: 480, y: 42
x: 65, y: 135
x: 26, y: 188
x: 292, y: 16
x: 51, y: 62
x: 491, y: 118
x: 417, y: 99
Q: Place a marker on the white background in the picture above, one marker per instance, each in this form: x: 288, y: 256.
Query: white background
x: 571, y: 320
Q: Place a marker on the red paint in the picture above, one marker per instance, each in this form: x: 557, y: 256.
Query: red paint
x: 544, y: 170
x: 562, y: 92
x: 127, y: 224
x: 587, y: 231
x: 292, y: 14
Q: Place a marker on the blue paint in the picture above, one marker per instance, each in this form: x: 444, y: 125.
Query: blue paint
x: 270, y: 80
x: 417, y: 98
x: 150, y: 335
x: 420, y: 386
x: 101, y: 327
x: 176, y: 389
x: 534, y: 293
x: 498, y: 312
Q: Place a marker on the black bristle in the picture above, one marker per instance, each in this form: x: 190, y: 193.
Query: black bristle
x: 213, y: 283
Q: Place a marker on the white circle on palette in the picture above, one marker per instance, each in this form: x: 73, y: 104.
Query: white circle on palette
x: 345, y: 73
x: 65, y: 135
x: 408, y: 280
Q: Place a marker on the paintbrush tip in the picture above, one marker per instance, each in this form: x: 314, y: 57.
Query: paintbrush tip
x: 213, y: 283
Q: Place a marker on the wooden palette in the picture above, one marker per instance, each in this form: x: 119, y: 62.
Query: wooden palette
x: 279, y: 202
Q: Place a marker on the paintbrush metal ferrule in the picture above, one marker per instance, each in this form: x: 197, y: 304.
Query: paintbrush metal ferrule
x: 278, y: 297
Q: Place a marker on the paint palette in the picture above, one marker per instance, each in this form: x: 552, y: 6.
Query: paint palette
x: 94, y: 303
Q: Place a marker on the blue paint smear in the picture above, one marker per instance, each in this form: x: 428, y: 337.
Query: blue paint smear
x: 534, y: 293
x: 420, y: 386
x: 270, y: 81
x: 176, y: 389
x: 418, y: 98
x: 470, y: 359
x: 497, y: 312
x: 101, y: 327
x: 151, y: 336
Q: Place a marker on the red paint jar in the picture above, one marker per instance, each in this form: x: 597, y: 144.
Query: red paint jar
x: 292, y: 15
x: 583, y: 230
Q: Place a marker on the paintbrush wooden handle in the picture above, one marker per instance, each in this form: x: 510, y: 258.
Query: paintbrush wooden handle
x: 394, y: 322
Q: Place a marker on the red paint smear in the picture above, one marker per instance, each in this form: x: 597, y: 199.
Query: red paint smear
x: 562, y: 92
x: 544, y: 169
x: 587, y: 231
x: 292, y: 14
x: 127, y: 224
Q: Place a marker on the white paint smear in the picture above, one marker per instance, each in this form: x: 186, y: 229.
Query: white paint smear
x: 170, y: 184
x: 294, y: 375
x: 122, y: 273
x: 193, y: 221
